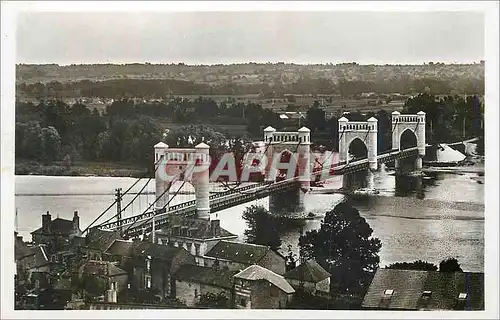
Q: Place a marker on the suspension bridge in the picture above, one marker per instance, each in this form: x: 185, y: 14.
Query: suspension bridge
x: 207, y: 204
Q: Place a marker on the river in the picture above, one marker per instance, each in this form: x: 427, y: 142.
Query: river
x: 448, y: 222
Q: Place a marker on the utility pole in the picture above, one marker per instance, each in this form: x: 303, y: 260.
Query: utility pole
x: 119, y: 207
x: 153, y: 230
x: 301, y: 261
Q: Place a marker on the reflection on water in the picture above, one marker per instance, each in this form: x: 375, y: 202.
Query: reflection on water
x: 448, y: 222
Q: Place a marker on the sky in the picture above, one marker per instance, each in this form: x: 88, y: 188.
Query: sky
x: 234, y: 37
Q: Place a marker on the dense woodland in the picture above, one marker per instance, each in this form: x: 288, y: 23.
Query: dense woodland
x: 162, y: 88
x: 54, y: 131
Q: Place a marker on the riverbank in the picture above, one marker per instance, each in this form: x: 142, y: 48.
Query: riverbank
x: 84, y: 169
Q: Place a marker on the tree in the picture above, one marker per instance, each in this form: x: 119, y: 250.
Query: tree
x: 415, y: 265
x: 262, y: 228
x: 315, y: 118
x: 343, y: 246
x: 214, y: 301
x: 51, y: 144
x: 191, y: 135
x: 450, y: 265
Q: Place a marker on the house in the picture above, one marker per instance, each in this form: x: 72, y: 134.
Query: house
x: 114, y: 279
x: 97, y: 241
x: 56, y: 232
x: 393, y: 289
x: 191, y: 282
x: 34, y: 265
x: 311, y: 277
x: 259, y: 288
x: 150, y: 265
x: 119, y: 251
x: 197, y: 236
x: 237, y: 256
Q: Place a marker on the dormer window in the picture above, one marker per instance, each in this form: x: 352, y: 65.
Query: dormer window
x: 462, y: 296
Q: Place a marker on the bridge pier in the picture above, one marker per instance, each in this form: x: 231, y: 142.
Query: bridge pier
x: 356, y: 180
x: 370, y: 179
x: 287, y: 203
x: 298, y: 144
x: 407, y: 183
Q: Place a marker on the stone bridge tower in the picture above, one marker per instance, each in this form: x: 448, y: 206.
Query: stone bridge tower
x: 414, y: 123
x: 180, y: 164
x: 366, y: 131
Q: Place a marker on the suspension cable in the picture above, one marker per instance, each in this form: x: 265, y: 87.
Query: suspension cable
x: 114, y: 202
x: 125, y: 208
x: 168, y: 202
x: 226, y: 185
x: 254, y: 192
x: 154, y: 213
x: 331, y: 152
x: 149, y: 207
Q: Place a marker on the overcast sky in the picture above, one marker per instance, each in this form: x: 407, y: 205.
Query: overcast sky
x: 229, y: 37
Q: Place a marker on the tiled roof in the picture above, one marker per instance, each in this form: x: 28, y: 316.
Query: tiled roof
x: 256, y: 272
x: 120, y: 248
x: 309, y: 271
x: 163, y: 252
x: 41, y: 258
x: 408, y: 287
x: 238, y: 252
x: 101, y: 239
x: 206, y: 275
x: 78, y: 241
x: 58, y: 226
x: 20, y: 249
x: 197, y: 228
x: 102, y: 268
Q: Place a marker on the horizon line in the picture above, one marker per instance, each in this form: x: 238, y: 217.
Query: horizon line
x: 198, y: 64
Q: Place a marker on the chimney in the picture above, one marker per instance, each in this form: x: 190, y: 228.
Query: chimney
x: 46, y: 219
x: 76, y: 223
x: 215, y: 227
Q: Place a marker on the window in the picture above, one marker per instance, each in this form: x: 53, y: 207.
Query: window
x: 128, y: 285
x: 243, y: 302
x: 388, y: 292
x: 148, y: 264
x: 462, y: 296
x: 195, y: 293
x: 197, y: 249
x: 113, y: 285
x: 426, y: 294
x: 148, y: 282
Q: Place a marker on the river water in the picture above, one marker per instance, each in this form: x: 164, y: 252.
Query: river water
x: 448, y: 222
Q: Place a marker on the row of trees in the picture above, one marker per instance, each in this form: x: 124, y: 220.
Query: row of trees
x: 448, y: 119
x: 125, y: 132
x: 54, y: 131
x: 160, y: 88
x: 200, y: 111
